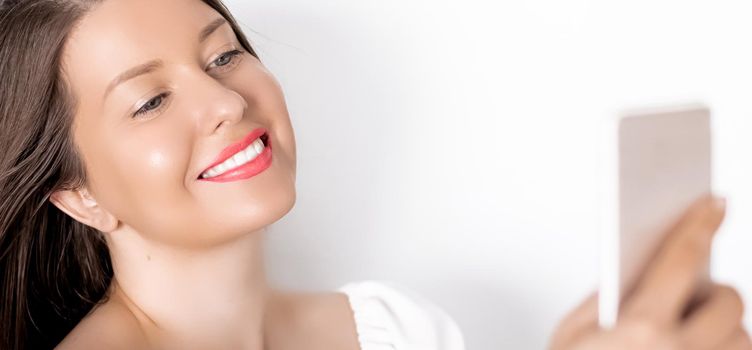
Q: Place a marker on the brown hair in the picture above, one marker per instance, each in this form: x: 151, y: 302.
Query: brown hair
x: 53, y: 269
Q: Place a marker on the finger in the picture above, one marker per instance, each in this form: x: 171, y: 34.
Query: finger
x: 669, y: 280
x: 582, y: 319
x: 715, y: 320
x: 738, y: 341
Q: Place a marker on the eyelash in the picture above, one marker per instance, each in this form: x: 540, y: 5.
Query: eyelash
x: 232, y: 63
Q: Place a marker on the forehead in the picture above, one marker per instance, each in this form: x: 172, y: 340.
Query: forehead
x: 118, y: 34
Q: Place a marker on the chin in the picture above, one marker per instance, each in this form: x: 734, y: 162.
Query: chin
x: 286, y: 202
x: 275, y: 209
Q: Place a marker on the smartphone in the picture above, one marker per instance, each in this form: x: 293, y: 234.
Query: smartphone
x: 656, y: 163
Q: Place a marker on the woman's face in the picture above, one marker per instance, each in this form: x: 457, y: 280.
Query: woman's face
x: 144, y: 169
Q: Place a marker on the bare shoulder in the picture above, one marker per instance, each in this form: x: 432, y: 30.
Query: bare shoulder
x: 109, y: 326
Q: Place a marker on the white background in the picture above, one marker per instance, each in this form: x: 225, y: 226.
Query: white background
x: 451, y: 146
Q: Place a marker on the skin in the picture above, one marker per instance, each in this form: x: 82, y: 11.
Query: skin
x: 187, y: 254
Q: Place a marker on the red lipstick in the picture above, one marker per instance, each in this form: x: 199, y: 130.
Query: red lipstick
x: 247, y: 170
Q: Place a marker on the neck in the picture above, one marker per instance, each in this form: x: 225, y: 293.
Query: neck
x: 198, y: 297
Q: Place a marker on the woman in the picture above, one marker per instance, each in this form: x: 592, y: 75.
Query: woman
x: 145, y: 148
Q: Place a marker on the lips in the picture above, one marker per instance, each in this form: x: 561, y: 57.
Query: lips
x: 230, y: 150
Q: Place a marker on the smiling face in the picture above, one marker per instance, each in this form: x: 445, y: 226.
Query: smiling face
x: 146, y: 141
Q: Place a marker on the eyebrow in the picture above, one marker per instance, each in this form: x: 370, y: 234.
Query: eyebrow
x: 153, y: 65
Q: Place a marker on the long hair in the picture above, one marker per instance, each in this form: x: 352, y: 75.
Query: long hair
x: 53, y: 269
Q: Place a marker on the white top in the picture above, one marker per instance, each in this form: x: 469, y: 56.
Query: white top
x: 391, y: 317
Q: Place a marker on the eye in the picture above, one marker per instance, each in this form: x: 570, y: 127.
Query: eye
x: 227, y: 60
x: 151, y: 105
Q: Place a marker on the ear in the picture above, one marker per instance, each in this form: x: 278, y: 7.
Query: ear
x: 81, y: 206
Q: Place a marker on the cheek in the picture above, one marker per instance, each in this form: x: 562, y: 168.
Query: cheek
x: 264, y: 93
x: 154, y: 160
x: 147, y: 179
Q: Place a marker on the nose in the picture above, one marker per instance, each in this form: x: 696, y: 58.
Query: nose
x: 216, y: 107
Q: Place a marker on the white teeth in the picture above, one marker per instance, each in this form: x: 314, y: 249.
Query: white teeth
x: 239, y: 158
x: 222, y: 167
x: 244, y: 156
x: 249, y: 153
x: 259, y: 146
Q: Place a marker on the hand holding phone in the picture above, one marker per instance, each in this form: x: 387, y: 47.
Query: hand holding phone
x: 656, y: 252
x: 660, y: 313
x: 658, y: 163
